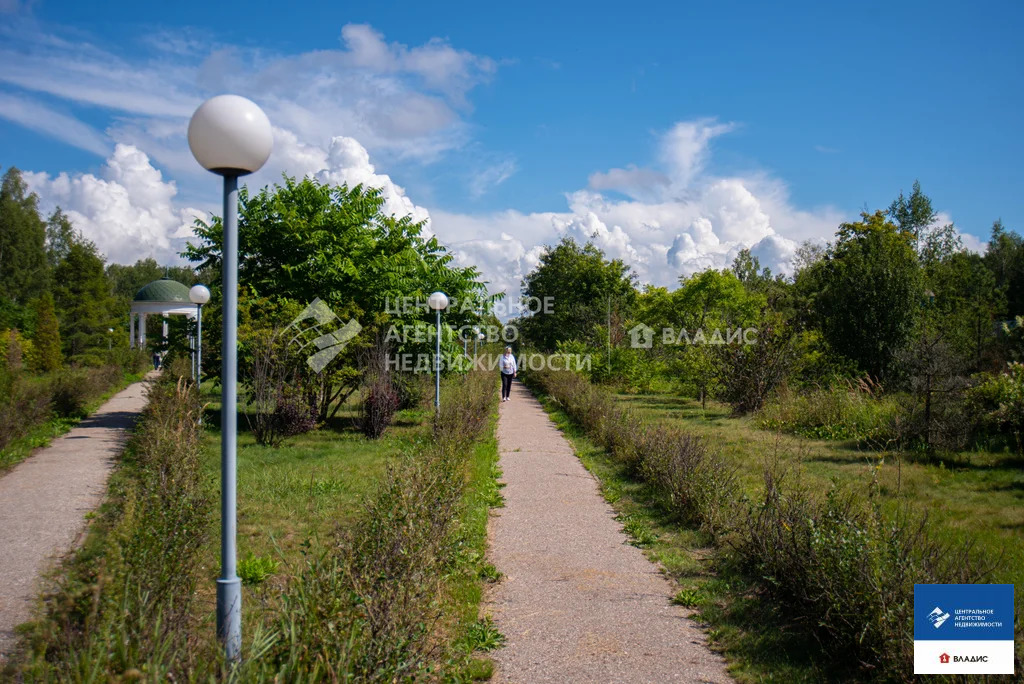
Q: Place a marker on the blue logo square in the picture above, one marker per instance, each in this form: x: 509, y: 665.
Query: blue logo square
x: 963, y: 612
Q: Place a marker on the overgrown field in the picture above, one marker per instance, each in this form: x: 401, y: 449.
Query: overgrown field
x: 362, y: 559
x: 968, y: 497
x: 801, y: 555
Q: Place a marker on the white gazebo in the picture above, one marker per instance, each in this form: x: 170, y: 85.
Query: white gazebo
x: 164, y: 297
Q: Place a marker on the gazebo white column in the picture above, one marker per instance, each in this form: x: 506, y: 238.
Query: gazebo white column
x: 131, y: 330
x: 163, y: 298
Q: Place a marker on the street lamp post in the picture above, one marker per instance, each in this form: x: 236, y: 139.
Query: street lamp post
x: 199, y: 294
x: 230, y: 136
x: 437, y: 301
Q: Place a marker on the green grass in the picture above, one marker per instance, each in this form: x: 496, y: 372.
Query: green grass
x: 41, y: 435
x: 293, y: 497
x: 482, y: 635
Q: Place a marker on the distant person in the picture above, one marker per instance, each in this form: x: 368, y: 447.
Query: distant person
x: 509, y: 369
x: 156, y: 360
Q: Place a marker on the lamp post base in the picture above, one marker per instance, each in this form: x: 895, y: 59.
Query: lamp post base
x: 229, y: 616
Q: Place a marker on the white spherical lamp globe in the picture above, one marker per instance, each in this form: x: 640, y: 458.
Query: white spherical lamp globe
x: 230, y: 135
x: 438, y: 301
x: 199, y: 294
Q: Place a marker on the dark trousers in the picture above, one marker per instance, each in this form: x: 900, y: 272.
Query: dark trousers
x: 506, y: 385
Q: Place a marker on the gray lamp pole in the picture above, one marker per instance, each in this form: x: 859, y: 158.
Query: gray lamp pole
x: 199, y: 294
x: 438, y: 301
x: 230, y: 136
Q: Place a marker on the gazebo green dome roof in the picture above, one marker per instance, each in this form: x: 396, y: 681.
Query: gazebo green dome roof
x: 163, y: 290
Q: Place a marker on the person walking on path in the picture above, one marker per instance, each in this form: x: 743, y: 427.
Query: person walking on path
x: 509, y: 369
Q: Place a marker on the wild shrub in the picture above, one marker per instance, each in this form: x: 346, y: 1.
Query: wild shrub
x: 845, y: 571
x: 752, y: 373
x: 380, y: 403
x: 278, y: 407
x: 465, y: 411
x: 412, y: 390
x: 25, y: 402
x: 846, y: 410
x: 999, y: 400
x: 381, y: 398
x: 695, y: 484
x: 364, y: 609
x: 72, y: 389
x: 935, y: 413
x: 292, y: 415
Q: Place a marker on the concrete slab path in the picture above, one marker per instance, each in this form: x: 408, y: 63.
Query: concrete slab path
x: 577, y: 603
x: 44, y: 500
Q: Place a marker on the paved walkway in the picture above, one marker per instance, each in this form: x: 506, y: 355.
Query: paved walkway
x: 44, y: 499
x: 577, y: 603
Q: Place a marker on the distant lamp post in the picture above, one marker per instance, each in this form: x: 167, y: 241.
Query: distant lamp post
x: 477, y: 336
x: 110, y: 339
x: 437, y: 301
x: 230, y: 136
x: 199, y: 295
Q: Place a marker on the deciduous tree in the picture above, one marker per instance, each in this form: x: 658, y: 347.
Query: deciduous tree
x: 867, y: 292
x: 574, y: 286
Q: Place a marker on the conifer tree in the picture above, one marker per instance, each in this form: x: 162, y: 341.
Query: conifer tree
x: 47, y: 337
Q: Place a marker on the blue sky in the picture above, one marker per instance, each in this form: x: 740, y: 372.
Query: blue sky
x: 671, y: 133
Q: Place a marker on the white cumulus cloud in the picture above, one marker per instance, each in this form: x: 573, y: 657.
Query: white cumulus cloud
x: 128, y: 210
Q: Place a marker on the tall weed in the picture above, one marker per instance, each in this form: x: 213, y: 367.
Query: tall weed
x: 850, y: 410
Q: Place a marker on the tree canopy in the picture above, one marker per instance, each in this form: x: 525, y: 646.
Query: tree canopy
x: 867, y: 291
x: 574, y: 286
x: 305, y: 239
